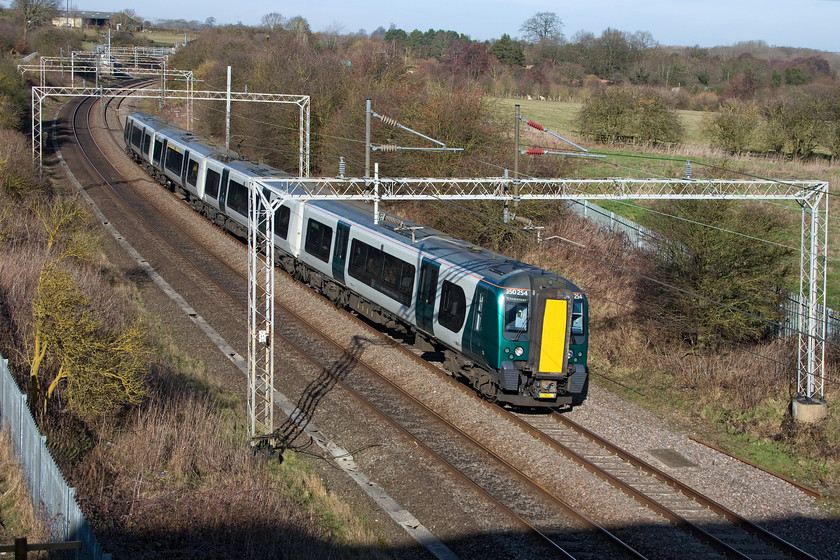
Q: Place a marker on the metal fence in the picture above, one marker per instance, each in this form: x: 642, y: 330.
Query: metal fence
x: 796, y: 320
x: 50, y: 493
x: 638, y: 235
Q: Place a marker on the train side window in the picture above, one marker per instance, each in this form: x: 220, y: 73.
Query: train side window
x: 136, y: 135
x: 237, y: 197
x: 397, y: 279
x: 158, y: 152
x: 281, y: 222
x: 384, y: 273
x: 365, y: 262
x: 318, y: 240
x: 174, y: 160
x: 479, y: 310
x: 211, y: 183
x: 453, y: 306
x: 192, y: 172
x: 147, y: 141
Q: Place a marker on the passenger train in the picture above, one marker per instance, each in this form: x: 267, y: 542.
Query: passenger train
x: 517, y: 334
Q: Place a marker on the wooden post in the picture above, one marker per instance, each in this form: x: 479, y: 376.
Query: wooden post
x: 21, y: 547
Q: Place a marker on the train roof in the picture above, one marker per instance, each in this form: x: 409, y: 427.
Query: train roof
x: 189, y: 139
x: 494, y: 267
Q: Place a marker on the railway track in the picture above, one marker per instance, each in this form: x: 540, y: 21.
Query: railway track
x: 683, y: 507
x: 729, y: 533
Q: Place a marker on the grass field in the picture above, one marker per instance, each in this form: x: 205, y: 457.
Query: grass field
x: 157, y: 38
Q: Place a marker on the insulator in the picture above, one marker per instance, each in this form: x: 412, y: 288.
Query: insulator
x: 388, y: 147
x: 535, y: 152
x: 341, y: 166
x: 389, y: 120
x: 538, y: 126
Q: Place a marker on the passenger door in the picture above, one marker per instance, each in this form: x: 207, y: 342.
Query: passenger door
x: 426, y: 292
x: 223, y: 190
x: 340, y: 253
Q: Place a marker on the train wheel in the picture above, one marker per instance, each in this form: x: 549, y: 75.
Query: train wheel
x: 486, y: 386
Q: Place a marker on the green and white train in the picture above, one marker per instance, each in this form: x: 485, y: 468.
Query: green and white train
x: 516, y: 333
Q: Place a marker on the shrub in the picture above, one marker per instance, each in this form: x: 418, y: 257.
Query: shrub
x: 733, y: 127
x: 629, y: 114
x: 716, y: 287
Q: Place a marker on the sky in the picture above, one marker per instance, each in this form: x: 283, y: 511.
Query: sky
x: 792, y: 23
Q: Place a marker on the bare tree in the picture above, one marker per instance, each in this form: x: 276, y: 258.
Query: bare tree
x: 126, y: 20
x: 543, y: 27
x: 34, y: 13
x: 300, y: 27
x: 273, y: 20
x: 331, y: 36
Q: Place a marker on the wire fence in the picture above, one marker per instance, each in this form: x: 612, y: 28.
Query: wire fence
x: 51, y: 495
x: 796, y: 319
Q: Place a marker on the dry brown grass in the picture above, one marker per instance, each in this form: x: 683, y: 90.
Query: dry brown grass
x: 176, y: 477
x: 17, y: 516
x: 178, y: 480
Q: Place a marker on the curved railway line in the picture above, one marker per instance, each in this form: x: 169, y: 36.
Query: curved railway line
x: 544, y: 521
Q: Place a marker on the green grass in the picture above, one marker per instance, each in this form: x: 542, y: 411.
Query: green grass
x: 158, y: 38
x: 167, y: 38
x: 559, y: 117
x: 692, y: 121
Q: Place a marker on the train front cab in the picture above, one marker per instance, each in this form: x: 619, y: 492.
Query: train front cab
x: 536, y: 345
x: 557, y: 351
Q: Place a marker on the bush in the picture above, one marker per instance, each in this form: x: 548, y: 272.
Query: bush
x: 627, y: 114
x: 733, y: 127
x: 716, y: 287
x: 17, y: 175
x: 795, y: 125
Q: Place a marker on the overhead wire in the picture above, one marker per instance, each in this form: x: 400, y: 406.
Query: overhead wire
x: 637, y: 156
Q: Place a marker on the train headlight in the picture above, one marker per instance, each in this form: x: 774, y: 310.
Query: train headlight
x: 518, y: 351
